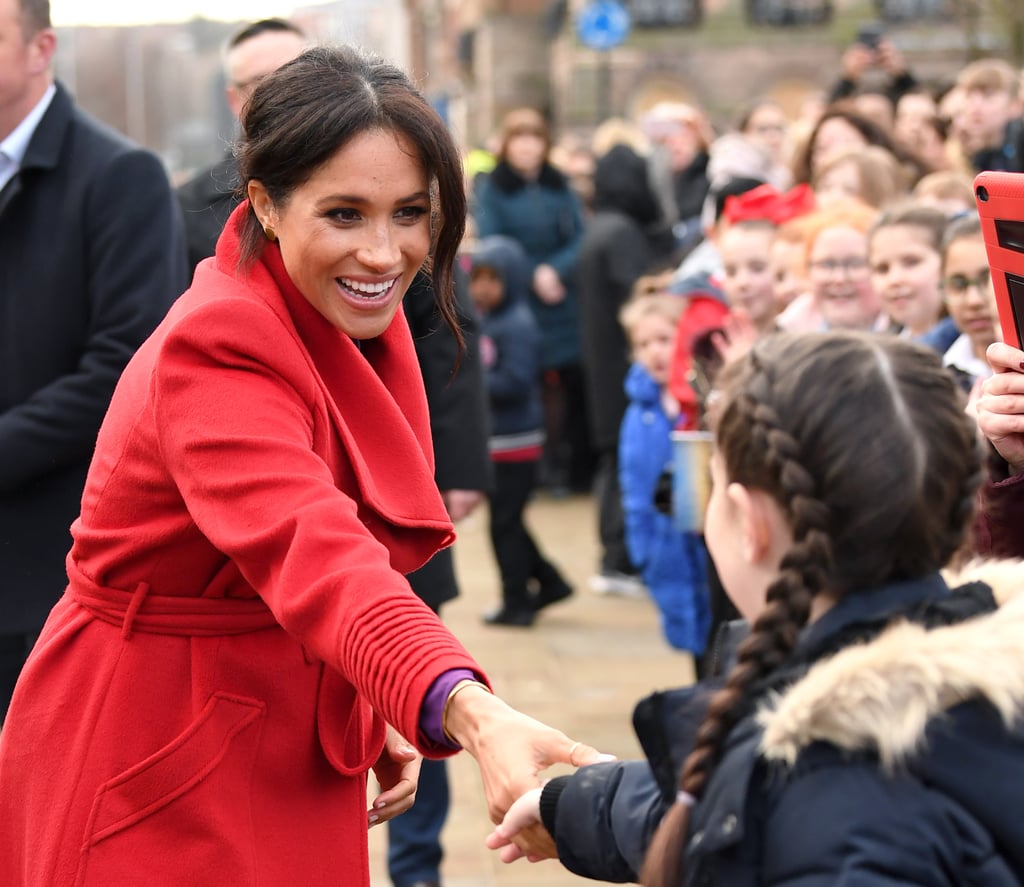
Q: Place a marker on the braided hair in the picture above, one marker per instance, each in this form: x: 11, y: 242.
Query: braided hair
x: 863, y: 442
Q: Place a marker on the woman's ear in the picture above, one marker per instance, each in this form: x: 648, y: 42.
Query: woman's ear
x: 759, y: 516
x: 262, y: 205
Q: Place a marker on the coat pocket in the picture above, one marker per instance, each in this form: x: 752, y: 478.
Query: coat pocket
x: 182, y: 815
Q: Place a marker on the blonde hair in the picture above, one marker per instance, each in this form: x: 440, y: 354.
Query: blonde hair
x: 990, y: 75
x: 652, y: 284
x: 844, y: 213
x: 668, y: 307
x: 618, y: 131
x: 946, y: 185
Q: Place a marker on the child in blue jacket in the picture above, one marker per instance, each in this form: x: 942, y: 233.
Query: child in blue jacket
x: 510, y: 356
x: 673, y: 563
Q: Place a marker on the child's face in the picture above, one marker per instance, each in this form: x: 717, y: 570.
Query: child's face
x: 486, y: 289
x: 838, y: 183
x: 653, y: 343
x: 768, y: 126
x: 838, y: 270
x: 789, y: 271
x: 729, y: 527
x: 747, y: 272
x: 905, y: 272
x: 970, y: 296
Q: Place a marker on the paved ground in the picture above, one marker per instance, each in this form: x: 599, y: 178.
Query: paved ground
x: 580, y: 668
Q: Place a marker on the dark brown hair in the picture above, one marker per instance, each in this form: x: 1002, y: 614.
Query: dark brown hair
x: 914, y: 214
x: 872, y: 133
x: 965, y: 227
x: 863, y: 441
x: 308, y: 109
x: 264, y: 26
x: 522, y: 121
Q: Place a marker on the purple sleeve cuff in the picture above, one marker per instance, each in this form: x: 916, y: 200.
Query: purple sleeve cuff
x: 433, y: 705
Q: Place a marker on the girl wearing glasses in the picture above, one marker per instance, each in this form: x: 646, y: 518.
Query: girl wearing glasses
x: 838, y: 271
x: 970, y: 299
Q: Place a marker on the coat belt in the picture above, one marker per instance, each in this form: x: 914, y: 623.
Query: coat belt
x: 139, y: 610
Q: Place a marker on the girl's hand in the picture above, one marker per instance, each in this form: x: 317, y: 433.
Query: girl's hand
x: 398, y: 772
x: 521, y: 832
x: 999, y: 408
x: 737, y: 337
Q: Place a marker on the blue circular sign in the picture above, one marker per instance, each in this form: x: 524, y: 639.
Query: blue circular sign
x: 603, y: 24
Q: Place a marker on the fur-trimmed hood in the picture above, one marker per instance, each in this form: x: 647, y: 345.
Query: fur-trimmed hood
x: 879, y: 697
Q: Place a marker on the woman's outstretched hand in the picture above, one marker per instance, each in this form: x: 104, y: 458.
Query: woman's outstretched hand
x: 398, y: 772
x: 510, y: 748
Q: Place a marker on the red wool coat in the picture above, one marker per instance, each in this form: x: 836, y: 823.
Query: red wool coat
x: 205, y: 700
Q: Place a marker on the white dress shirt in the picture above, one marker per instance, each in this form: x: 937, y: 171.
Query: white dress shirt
x: 13, y: 148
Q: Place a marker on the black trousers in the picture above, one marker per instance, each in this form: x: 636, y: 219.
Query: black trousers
x: 569, y: 460
x: 519, y: 559
x: 14, y: 650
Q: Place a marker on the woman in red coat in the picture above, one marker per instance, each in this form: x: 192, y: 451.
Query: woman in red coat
x: 207, y: 698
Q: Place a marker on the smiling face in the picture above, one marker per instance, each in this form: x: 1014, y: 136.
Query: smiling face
x: 840, y: 181
x: 838, y: 264
x: 833, y: 135
x: 356, y: 232
x: 747, y: 275
x: 970, y: 295
x: 905, y: 272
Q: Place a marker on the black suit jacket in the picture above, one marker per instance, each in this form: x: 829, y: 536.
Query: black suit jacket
x: 91, y: 256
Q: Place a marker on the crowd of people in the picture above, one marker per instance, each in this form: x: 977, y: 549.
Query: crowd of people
x: 261, y: 471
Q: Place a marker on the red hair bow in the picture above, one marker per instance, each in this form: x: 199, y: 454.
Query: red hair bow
x: 768, y: 204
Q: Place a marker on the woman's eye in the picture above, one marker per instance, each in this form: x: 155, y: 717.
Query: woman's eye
x: 343, y: 215
x: 412, y: 213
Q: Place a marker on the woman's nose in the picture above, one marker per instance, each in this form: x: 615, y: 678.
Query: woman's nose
x: 379, y: 250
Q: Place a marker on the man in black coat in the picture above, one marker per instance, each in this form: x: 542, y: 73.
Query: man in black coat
x: 208, y: 198
x: 619, y: 246
x: 91, y: 256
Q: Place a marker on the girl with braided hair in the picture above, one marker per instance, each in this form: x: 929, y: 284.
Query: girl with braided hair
x: 869, y: 729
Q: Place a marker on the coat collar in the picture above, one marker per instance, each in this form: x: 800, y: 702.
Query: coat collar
x: 879, y: 697
x: 869, y: 606
x: 44, y: 150
x: 875, y: 698
x: 375, y: 396
x: 508, y: 180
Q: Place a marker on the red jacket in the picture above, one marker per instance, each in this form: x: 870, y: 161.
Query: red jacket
x: 202, y: 706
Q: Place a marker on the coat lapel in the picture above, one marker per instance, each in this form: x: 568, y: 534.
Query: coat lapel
x: 377, y: 402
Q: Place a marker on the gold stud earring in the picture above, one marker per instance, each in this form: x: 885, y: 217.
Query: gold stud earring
x: 271, y: 234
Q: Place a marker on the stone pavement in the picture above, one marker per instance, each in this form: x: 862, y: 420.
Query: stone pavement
x: 580, y: 668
